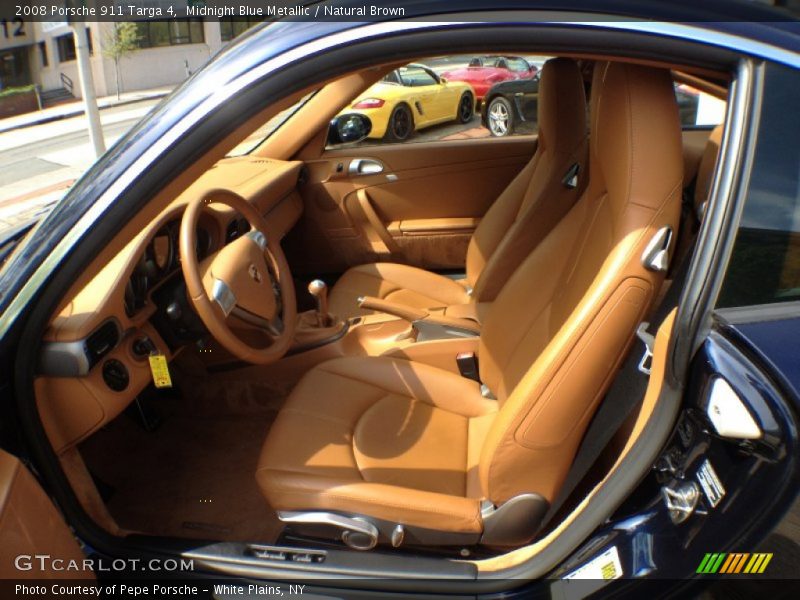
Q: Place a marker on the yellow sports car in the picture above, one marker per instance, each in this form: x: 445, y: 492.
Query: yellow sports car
x: 413, y: 97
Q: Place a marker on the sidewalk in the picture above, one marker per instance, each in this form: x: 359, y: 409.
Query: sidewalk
x: 73, y: 109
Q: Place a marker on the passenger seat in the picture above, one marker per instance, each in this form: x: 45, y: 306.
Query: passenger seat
x: 535, y: 201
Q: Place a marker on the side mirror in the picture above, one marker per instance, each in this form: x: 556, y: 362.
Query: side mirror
x: 442, y: 80
x: 349, y: 128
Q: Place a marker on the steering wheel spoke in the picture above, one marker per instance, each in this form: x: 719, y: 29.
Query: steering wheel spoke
x: 223, y: 295
x: 275, y: 327
x: 259, y: 238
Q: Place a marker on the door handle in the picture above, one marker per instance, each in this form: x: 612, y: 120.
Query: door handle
x: 365, y: 166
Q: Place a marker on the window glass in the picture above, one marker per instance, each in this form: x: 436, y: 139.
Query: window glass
x: 268, y: 128
x: 414, y: 76
x: 154, y: 34
x: 765, y: 263
x: 66, y: 46
x: 231, y: 28
x: 698, y: 109
x: 517, y: 65
x: 455, y: 97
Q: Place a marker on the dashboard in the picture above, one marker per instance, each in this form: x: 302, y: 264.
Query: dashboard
x: 132, y: 301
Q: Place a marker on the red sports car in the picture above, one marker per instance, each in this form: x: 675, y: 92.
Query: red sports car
x: 483, y: 72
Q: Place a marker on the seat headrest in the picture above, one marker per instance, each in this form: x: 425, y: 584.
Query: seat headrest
x: 561, y: 106
x: 636, y: 149
x: 475, y: 62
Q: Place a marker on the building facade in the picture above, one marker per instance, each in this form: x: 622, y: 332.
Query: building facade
x: 169, y: 51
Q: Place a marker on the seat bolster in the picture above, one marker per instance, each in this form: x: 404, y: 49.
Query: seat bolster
x: 437, y: 387
x: 298, y: 491
x: 399, y: 283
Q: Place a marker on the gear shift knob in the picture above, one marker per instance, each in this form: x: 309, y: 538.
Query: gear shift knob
x: 319, y: 289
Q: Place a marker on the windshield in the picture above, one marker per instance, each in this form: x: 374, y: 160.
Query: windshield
x: 255, y: 139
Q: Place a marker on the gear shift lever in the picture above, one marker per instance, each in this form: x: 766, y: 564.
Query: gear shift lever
x: 319, y: 289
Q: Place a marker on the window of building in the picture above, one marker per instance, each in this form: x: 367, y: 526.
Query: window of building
x: 154, y: 34
x: 230, y: 28
x: 66, y: 46
x: 14, y: 68
x: 43, y: 54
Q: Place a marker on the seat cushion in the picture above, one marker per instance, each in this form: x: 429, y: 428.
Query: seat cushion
x: 405, y: 285
x: 386, y: 438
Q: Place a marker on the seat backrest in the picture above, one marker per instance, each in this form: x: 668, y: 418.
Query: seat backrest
x: 556, y: 334
x: 539, y: 196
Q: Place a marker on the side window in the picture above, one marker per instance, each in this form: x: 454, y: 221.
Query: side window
x: 764, y: 267
x: 445, y: 98
x: 697, y: 108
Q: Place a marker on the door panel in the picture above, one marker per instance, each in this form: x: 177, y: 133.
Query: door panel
x: 30, y: 525
x: 421, y: 209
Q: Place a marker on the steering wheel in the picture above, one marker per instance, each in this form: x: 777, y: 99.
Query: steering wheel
x: 247, y: 279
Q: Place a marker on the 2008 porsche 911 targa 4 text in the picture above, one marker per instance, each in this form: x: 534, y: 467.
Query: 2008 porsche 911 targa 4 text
x: 315, y: 325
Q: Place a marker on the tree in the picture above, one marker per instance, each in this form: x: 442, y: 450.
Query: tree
x: 120, y: 42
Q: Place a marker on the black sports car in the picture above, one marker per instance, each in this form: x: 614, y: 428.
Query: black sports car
x: 510, y: 106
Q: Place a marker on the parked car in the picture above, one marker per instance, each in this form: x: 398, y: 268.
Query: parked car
x: 483, y: 72
x: 558, y: 370
x: 412, y: 98
x: 510, y: 105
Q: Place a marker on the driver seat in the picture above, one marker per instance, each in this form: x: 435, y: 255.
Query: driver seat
x: 375, y: 450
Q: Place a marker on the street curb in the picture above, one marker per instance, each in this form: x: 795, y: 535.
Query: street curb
x: 81, y: 111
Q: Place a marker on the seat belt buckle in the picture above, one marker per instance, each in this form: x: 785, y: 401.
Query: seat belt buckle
x: 646, y: 362
x: 468, y: 365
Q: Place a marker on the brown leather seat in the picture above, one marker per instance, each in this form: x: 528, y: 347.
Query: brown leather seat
x: 517, y: 221
x: 397, y: 442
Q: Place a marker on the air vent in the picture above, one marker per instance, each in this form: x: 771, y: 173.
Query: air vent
x: 102, y: 341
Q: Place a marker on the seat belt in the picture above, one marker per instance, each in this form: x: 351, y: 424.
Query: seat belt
x: 625, y: 393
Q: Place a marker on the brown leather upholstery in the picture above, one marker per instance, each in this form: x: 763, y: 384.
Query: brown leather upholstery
x: 412, y: 444
x: 388, y: 438
x: 518, y: 220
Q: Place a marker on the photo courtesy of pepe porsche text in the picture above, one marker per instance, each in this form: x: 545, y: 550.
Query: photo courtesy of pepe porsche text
x: 155, y: 590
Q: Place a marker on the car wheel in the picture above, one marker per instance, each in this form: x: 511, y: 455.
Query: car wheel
x: 501, y: 117
x: 466, y: 108
x: 401, y: 124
